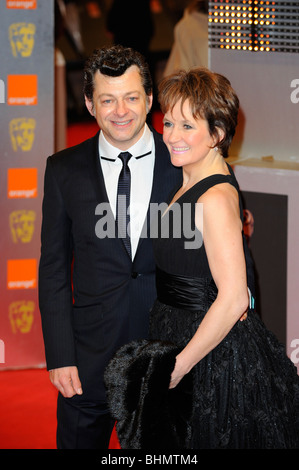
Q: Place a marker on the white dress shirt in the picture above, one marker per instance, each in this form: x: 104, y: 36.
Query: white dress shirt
x: 141, y: 167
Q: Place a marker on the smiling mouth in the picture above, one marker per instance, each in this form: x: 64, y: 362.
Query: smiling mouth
x: 179, y: 149
x: 121, y: 123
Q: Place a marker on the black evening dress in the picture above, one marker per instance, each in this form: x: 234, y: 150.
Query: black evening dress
x: 246, y: 390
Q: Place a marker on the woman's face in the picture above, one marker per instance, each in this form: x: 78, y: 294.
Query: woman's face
x: 188, y: 140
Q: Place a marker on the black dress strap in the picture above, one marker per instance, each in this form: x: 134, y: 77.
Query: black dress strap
x: 206, y: 183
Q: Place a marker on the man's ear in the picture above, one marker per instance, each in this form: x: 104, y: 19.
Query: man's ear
x: 89, y: 106
x: 149, y: 102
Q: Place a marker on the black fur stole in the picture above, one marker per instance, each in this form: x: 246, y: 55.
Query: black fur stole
x: 148, y: 414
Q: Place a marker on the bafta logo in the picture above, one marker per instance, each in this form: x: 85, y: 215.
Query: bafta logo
x: 21, y: 315
x: 21, y: 36
x: 22, y: 225
x: 22, y: 131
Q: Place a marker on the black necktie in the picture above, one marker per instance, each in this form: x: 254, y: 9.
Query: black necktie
x: 123, y: 201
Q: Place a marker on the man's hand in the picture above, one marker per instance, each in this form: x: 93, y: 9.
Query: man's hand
x: 66, y: 380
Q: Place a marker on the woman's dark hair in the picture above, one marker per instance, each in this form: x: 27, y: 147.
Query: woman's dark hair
x: 211, y: 97
x: 114, y: 61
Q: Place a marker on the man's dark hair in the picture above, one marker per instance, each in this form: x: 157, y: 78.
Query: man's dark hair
x: 114, y: 61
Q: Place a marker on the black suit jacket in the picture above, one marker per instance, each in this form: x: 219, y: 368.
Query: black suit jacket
x: 92, y: 297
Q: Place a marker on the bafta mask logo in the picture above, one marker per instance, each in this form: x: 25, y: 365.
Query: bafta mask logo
x: 22, y: 133
x: 21, y: 316
x: 22, y: 225
x: 21, y: 36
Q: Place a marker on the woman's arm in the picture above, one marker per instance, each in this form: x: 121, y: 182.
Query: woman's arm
x: 222, y: 235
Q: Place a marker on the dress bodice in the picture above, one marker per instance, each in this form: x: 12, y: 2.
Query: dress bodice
x: 179, y: 248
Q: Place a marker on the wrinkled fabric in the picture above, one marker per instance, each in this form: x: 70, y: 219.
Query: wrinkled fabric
x: 246, y: 390
x: 149, y: 415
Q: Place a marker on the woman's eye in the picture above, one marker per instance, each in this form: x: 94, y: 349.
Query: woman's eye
x: 167, y: 124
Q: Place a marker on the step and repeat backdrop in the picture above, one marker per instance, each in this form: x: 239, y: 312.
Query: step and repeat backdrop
x: 27, y: 138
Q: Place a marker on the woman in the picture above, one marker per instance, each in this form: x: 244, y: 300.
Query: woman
x: 246, y: 391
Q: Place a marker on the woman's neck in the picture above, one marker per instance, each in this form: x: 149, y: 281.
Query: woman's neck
x: 192, y: 174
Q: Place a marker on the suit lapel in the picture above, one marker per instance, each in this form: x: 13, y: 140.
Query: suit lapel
x: 95, y: 171
x: 160, y: 169
x: 159, y: 181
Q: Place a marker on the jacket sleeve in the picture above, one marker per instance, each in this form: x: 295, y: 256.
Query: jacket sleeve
x: 55, y: 287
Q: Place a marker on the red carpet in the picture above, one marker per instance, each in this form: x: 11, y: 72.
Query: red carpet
x: 28, y: 411
x: 78, y: 132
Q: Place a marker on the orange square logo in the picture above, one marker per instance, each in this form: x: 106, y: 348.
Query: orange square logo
x: 22, y: 183
x: 23, y: 4
x: 21, y: 273
x: 22, y: 90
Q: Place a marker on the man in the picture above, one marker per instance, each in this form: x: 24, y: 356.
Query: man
x: 94, y: 295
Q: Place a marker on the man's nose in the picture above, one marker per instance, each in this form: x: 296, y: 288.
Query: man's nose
x: 121, y: 108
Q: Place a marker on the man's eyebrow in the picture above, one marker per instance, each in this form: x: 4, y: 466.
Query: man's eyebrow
x: 105, y: 94
x: 133, y: 92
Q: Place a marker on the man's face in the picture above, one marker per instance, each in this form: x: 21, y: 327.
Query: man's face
x: 120, y: 106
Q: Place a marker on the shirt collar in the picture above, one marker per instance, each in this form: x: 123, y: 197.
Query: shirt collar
x: 141, y: 148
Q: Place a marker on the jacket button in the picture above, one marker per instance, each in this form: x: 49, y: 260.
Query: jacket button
x: 134, y: 275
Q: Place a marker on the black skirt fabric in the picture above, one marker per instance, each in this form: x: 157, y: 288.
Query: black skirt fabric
x: 246, y: 390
